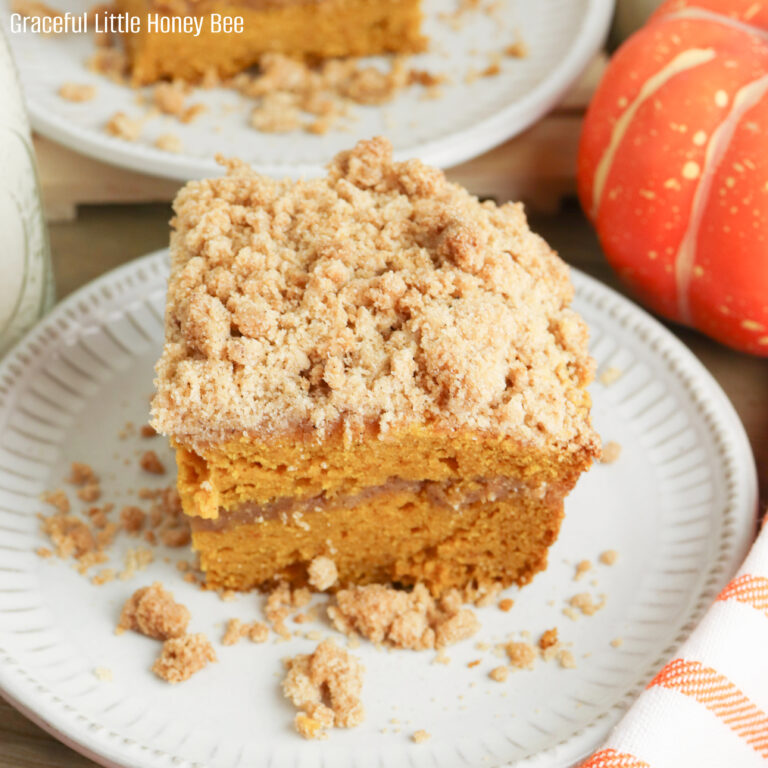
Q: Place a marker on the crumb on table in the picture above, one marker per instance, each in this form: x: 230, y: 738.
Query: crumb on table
x: 505, y: 604
x: 499, y: 674
x: 236, y: 630
x: 123, y: 127
x: 421, y: 736
x: 521, y: 655
x: 77, y: 92
x: 609, y: 557
x: 582, y: 567
x: 548, y: 639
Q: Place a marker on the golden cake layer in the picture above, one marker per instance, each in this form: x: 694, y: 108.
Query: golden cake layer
x: 339, y: 350
x: 304, y: 28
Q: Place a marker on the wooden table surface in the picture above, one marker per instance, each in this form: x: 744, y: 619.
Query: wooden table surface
x: 105, y: 236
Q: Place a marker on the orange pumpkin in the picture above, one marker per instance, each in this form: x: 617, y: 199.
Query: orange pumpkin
x: 673, y: 167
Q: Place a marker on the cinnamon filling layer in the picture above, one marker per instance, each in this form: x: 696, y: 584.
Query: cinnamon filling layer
x: 447, y: 495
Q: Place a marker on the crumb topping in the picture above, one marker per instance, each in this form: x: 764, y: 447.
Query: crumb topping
x: 412, y: 620
x: 366, y: 297
x: 326, y: 686
x: 153, y: 612
x: 181, y: 657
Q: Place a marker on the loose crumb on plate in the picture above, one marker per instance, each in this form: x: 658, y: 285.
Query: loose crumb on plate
x: 609, y: 557
x: 421, y: 736
x: 583, y: 567
x: 566, y: 659
x: 617, y: 642
x: 168, y: 142
x: 610, y: 375
x: 506, y: 604
x: 499, y: 674
x: 77, y: 92
x: 548, y: 639
x: 182, y: 657
x: 123, y: 127
x: 153, y: 612
x: 585, y: 603
x: 103, y: 673
x: 150, y: 462
x: 255, y: 631
x: 412, y: 620
x: 283, y: 601
x: 521, y: 655
x: 611, y: 452
x: 326, y: 686
x: 322, y: 573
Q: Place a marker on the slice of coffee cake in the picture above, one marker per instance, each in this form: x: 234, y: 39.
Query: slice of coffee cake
x: 372, y: 366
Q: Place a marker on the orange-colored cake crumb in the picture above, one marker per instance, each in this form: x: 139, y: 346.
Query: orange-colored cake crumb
x: 182, y: 657
x: 412, y: 620
x: 587, y: 604
x: 611, y: 452
x: 609, y: 557
x: 506, y: 604
x: 499, y: 674
x: 153, y: 612
x: 326, y: 685
x: 548, y: 639
x: 281, y: 602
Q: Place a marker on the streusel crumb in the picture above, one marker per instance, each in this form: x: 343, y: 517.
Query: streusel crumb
x: 364, y: 297
x: 255, y: 631
x: 322, y: 573
x: 77, y: 92
x: 326, y: 685
x: 499, y: 674
x: 521, y: 655
x: 611, y: 452
x: 283, y: 601
x: 421, y: 736
x: 548, y: 639
x: 168, y: 142
x: 150, y: 462
x: 123, y: 127
x: 81, y: 473
x: 412, y: 620
x: 585, y: 603
x: 182, y: 656
x: 609, y: 557
x: 153, y: 612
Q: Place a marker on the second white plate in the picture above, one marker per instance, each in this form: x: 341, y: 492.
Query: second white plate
x: 469, y: 118
x: 678, y: 506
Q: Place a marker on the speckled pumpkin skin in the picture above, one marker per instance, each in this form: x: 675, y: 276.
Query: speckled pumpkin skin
x: 673, y: 167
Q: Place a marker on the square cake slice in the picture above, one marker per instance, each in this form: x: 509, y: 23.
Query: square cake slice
x: 302, y: 28
x: 375, y: 367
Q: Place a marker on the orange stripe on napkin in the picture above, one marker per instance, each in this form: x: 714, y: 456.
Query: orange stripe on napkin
x: 752, y: 590
x: 720, y: 696
x: 610, y: 758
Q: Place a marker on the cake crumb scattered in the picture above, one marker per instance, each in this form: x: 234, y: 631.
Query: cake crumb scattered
x: 326, y: 686
x: 103, y: 674
x: 548, y: 639
x: 168, y: 142
x: 77, y: 92
x: 499, y: 674
x: 181, y: 657
x: 153, y: 612
x: 147, y: 430
x: 566, y: 659
x: 582, y: 567
x: 123, y: 127
x: 617, y: 642
x: 506, y: 604
x: 57, y: 499
x: 521, y: 655
x: 322, y: 573
x: 44, y: 552
x: 412, y: 620
x: 255, y: 631
x: 89, y: 493
x: 81, y: 473
x: 104, y: 576
x: 283, y: 601
x: 150, y: 462
x: 609, y: 557
x: 611, y: 452
x: 610, y: 375
x: 585, y: 603
x: 421, y: 736
x: 132, y: 519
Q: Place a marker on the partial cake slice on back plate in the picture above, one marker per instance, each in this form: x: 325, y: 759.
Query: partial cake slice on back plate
x: 164, y: 49
x: 373, y: 366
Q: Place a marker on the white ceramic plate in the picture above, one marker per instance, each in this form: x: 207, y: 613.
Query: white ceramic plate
x: 562, y: 36
x: 678, y: 506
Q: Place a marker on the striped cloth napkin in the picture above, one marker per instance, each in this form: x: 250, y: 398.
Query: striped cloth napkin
x: 708, y: 707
